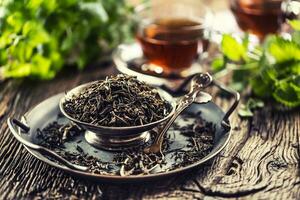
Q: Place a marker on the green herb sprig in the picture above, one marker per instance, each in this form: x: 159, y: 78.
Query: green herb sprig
x: 271, y: 70
x: 39, y: 37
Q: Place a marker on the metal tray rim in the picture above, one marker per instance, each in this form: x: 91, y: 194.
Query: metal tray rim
x: 120, y: 178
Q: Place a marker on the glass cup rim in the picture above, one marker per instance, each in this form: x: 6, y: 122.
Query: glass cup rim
x: 272, y: 6
x: 144, y: 6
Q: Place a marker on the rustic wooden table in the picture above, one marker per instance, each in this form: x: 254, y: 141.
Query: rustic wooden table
x: 261, y: 160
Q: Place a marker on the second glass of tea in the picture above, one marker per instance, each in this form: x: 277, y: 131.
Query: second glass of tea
x: 259, y: 17
x: 171, y: 32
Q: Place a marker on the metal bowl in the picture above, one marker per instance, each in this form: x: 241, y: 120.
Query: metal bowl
x: 115, y: 138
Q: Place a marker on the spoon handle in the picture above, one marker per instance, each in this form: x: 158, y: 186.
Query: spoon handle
x: 198, y: 82
x: 183, y: 104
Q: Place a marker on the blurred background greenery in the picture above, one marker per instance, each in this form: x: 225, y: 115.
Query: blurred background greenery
x: 39, y: 37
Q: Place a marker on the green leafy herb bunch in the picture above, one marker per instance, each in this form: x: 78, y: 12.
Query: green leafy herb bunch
x: 271, y: 70
x: 39, y: 37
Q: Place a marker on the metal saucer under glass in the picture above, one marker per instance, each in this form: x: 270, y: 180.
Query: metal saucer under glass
x: 128, y: 59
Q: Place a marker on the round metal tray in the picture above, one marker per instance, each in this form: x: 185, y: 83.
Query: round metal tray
x: 48, y: 110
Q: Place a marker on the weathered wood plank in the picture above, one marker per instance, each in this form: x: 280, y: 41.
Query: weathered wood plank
x: 267, y: 164
x: 261, y: 160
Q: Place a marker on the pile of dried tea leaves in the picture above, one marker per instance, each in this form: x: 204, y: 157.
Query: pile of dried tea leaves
x: 118, y: 101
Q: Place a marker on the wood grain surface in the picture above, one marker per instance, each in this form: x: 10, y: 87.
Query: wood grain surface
x: 260, y: 162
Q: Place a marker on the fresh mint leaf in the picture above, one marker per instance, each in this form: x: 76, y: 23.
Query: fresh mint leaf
x: 283, y: 50
x: 232, y: 49
x: 295, y: 24
x: 238, y: 86
x: 269, y: 74
x: 287, y: 93
x: 296, y: 37
x: 42, y: 67
x: 96, y: 9
x: 38, y: 37
x: 34, y: 4
x: 255, y: 103
x: 218, y: 64
x: 15, y: 21
x: 245, y: 112
x: 260, y: 88
x: 17, y: 70
x: 245, y: 41
x: 271, y: 69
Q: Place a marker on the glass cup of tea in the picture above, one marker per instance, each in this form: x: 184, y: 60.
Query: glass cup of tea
x: 258, y: 17
x: 172, y: 32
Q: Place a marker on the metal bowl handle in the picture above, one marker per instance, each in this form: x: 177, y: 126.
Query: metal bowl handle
x: 236, y: 95
x: 40, y: 149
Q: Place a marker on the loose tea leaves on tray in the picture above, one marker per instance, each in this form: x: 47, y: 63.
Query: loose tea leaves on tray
x: 197, y: 133
x: 54, y: 135
x: 118, y: 101
x: 201, y: 140
x: 136, y: 162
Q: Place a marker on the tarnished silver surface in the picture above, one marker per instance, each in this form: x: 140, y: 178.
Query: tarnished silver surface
x: 115, y: 143
x: 115, y: 138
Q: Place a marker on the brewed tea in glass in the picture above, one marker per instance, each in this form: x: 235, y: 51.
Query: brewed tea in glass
x: 171, y: 33
x: 259, y: 17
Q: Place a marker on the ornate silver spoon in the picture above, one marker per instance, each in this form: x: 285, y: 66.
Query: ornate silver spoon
x: 198, y: 83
